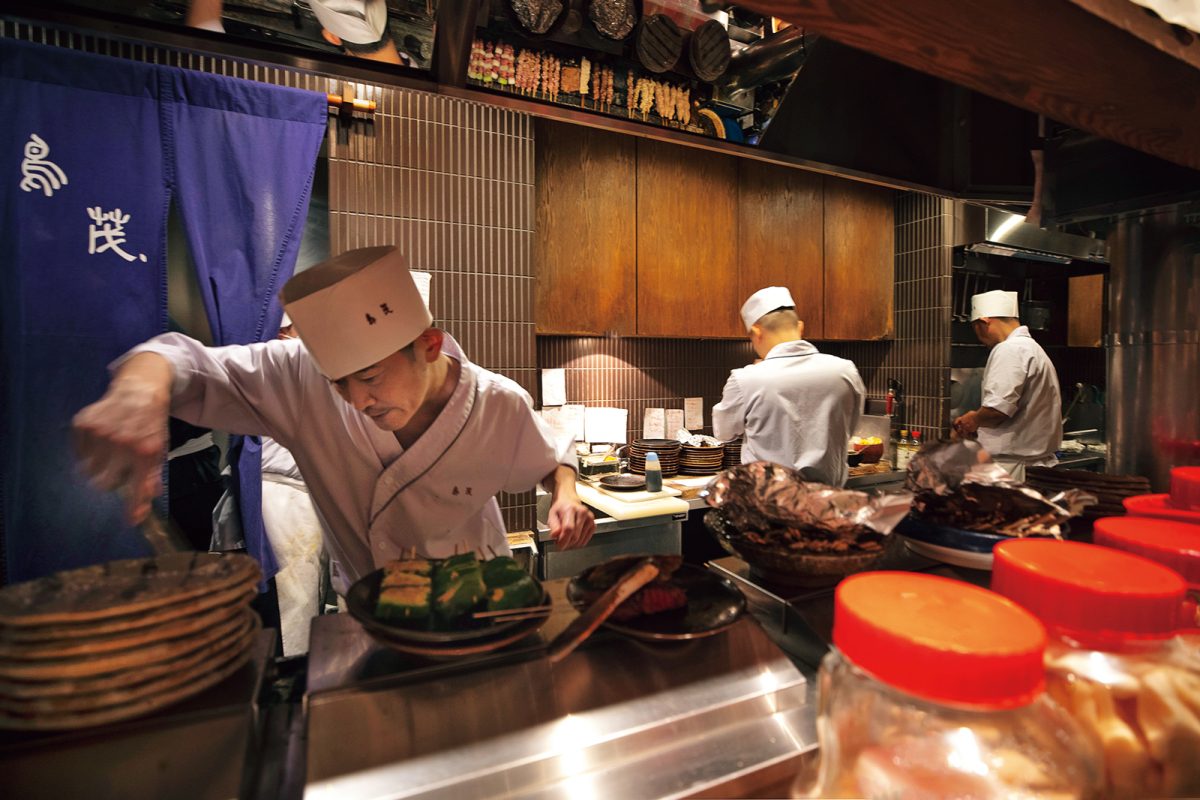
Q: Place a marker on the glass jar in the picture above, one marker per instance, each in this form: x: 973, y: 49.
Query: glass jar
x: 1113, y: 660
x: 935, y: 690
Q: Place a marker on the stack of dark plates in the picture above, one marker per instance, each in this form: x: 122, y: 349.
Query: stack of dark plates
x: 733, y: 454
x: 668, y: 451
x: 114, y: 641
x: 701, y: 460
x: 1110, y: 490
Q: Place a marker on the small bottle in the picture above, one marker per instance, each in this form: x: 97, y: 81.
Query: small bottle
x: 903, y: 450
x: 653, y: 473
x: 915, y: 444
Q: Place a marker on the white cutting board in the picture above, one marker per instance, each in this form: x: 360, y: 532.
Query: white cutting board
x: 642, y: 496
x: 619, y: 509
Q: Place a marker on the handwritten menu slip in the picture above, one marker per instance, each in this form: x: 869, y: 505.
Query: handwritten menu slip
x: 693, y: 412
x: 605, y: 424
x: 674, y: 421
x: 654, y: 424
x: 554, y: 387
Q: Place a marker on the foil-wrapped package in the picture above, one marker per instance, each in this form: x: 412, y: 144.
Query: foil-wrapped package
x: 770, y: 503
x: 956, y: 484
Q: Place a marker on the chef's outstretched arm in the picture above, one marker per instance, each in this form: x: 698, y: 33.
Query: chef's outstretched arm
x: 571, y: 524
x: 121, y: 438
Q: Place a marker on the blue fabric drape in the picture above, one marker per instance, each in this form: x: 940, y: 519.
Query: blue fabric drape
x: 242, y: 160
x: 91, y: 151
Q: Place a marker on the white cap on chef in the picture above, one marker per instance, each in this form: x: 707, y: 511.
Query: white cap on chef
x: 356, y: 310
x: 996, y: 303
x: 763, y: 302
x: 354, y: 21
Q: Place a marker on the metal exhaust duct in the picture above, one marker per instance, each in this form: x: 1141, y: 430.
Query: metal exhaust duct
x: 1153, y: 409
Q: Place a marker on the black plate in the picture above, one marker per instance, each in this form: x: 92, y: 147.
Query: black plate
x: 623, y: 483
x: 714, y: 604
x: 363, y: 595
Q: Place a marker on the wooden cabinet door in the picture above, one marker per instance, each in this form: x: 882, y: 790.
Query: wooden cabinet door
x: 585, y: 247
x: 859, y: 260
x: 687, y: 242
x: 1085, y: 311
x: 781, y: 237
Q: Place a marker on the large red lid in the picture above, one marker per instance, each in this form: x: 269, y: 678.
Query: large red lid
x: 1098, y: 596
x: 1185, y: 488
x: 1160, y: 506
x: 1172, y: 544
x: 940, y: 639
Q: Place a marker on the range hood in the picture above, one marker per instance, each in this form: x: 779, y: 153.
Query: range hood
x: 990, y: 231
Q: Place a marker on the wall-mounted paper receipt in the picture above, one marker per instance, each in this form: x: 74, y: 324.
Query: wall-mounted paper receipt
x: 573, y: 420
x: 674, y: 421
x: 654, y: 424
x: 554, y: 387
x: 605, y: 424
x: 693, y: 413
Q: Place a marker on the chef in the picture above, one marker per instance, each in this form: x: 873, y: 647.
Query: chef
x: 403, y: 442
x: 1020, y: 419
x: 795, y: 406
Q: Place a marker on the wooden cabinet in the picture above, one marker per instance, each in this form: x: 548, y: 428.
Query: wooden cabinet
x: 781, y: 237
x: 585, y: 246
x: 687, y: 242
x: 1085, y: 311
x: 859, y: 260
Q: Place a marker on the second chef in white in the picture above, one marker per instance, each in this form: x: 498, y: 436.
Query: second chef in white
x: 403, y: 442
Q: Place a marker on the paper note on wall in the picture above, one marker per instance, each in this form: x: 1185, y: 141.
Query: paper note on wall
x: 693, y: 413
x: 574, y: 420
x: 422, y: 280
x: 560, y: 426
x: 654, y: 424
x: 674, y: 421
x: 606, y: 424
x: 554, y: 387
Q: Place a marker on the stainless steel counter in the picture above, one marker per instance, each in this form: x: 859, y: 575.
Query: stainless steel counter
x: 617, y: 718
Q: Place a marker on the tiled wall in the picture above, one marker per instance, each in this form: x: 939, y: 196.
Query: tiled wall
x: 447, y: 180
x: 636, y: 374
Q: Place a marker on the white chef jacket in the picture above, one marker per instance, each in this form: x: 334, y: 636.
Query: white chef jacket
x: 1020, y: 381
x: 374, y: 497
x: 796, y: 407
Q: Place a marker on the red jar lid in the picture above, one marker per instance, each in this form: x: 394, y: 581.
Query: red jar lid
x: 1160, y: 506
x: 1096, y: 595
x: 1172, y: 544
x: 940, y: 639
x: 1185, y: 488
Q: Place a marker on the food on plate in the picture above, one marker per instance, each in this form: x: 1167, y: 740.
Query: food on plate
x: 457, y: 587
x: 508, y: 585
x: 443, y: 594
x: 654, y: 598
x: 404, y: 591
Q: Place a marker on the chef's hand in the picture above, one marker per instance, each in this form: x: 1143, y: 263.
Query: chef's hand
x: 571, y: 523
x: 121, y: 438
x: 966, y: 425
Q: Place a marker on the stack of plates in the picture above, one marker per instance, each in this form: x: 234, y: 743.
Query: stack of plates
x: 668, y: 455
x: 733, y: 454
x: 118, y: 640
x: 701, y: 460
x: 1110, y: 490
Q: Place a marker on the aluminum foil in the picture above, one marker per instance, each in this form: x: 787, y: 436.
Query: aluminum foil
x: 956, y: 484
x: 762, y: 497
x: 537, y: 15
x: 613, y: 18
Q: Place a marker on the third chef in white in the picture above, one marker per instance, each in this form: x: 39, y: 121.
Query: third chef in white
x: 796, y: 406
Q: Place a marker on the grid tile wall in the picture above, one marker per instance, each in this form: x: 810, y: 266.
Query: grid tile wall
x: 636, y: 374
x: 449, y: 181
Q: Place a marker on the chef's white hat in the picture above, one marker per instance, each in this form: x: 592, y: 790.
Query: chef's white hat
x: 356, y: 310
x: 996, y: 303
x: 763, y: 302
x: 354, y: 21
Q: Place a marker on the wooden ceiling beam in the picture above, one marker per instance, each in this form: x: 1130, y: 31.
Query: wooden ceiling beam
x: 1048, y: 56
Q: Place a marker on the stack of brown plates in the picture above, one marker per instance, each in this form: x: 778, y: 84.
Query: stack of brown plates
x: 1110, y: 490
x: 701, y: 460
x: 733, y: 454
x: 668, y: 455
x: 118, y: 640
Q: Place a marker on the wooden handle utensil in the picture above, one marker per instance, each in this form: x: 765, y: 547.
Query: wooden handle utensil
x: 573, y: 635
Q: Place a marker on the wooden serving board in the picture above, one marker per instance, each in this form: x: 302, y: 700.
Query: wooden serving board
x: 126, y: 640
x: 136, y: 708
x: 130, y: 622
x: 121, y: 588
x: 89, y: 666
x: 105, y: 698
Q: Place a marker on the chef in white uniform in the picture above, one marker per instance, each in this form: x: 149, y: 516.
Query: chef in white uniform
x: 403, y: 442
x: 795, y: 406
x: 1020, y: 419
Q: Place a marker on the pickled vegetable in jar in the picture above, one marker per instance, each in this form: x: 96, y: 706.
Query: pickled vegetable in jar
x: 935, y: 689
x: 1113, y: 659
